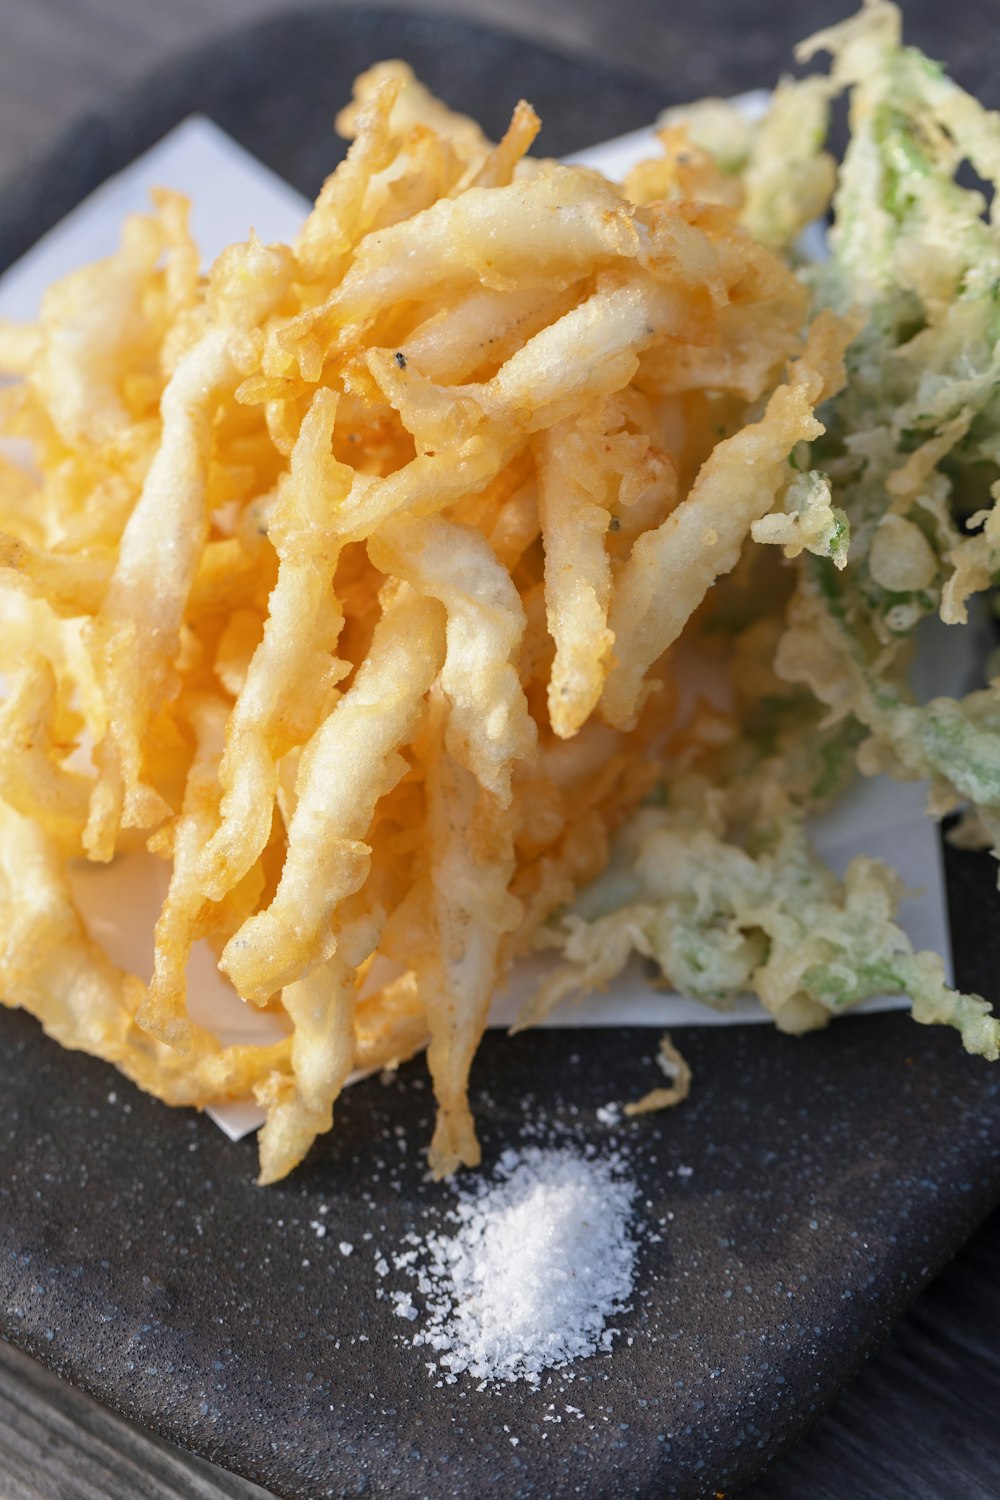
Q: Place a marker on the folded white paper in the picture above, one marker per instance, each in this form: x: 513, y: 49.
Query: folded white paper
x: 231, y: 192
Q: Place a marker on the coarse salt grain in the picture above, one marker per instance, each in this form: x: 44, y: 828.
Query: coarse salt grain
x: 404, y: 1307
x: 541, y: 1259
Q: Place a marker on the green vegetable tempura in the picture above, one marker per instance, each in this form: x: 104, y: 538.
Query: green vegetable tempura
x: 889, y: 518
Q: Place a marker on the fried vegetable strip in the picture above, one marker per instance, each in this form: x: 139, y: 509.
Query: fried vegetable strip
x: 351, y: 762
x: 472, y: 863
x: 489, y: 726
x: 299, y: 1105
x: 292, y: 674
x: 135, y: 634
x: 163, y: 1012
x: 672, y: 567
x: 677, y: 1070
x: 574, y: 514
x: 32, y: 779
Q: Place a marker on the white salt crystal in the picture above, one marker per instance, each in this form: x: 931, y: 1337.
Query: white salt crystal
x: 541, y: 1259
x: 404, y: 1307
x: 346, y: 1248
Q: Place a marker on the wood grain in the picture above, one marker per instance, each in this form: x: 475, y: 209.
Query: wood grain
x: 56, y: 1442
x: 920, y: 1420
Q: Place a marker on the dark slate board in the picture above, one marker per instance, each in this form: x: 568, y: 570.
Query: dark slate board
x: 829, y: 1178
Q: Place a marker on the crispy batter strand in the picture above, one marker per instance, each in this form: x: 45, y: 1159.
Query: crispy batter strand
x: 351, y: 761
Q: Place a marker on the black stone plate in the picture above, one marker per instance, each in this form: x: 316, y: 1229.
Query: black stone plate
x: 826, y: 1180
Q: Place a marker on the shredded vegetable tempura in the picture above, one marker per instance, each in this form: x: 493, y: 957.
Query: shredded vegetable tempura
x: 371, y: 583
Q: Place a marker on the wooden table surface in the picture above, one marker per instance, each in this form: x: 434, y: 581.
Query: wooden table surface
x: 920, y: 1422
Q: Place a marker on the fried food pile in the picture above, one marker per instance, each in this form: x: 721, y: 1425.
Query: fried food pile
x: 352, y: 578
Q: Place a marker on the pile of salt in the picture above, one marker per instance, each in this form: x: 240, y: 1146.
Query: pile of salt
x: 541, y: 1259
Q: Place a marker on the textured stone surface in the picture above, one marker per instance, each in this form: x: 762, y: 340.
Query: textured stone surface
x: 824, y: 1182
